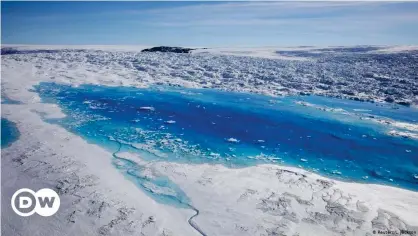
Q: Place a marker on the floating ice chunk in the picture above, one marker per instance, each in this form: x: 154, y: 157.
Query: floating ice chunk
x: 233, y: 140
x: 212, y: 154
x: 365, y: 177
x: 260, y: 141
x: 147, y: 108
x: 303, y: 160
x: 336, y: 172
x: 416, y: 176
x: 140, y: 131
x: 408, y: 151
x: 302, y: 103
x: 170, y: 122
x: 164, y: 141
x: 365, y: 110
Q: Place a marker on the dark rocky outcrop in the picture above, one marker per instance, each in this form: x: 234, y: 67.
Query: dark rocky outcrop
x: 168, y: 49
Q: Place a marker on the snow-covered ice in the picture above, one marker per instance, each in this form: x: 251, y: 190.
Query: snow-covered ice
x: 232, y: 140
x: 259, y: 200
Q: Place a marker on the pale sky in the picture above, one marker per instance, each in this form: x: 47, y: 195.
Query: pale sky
x: 210, y: 23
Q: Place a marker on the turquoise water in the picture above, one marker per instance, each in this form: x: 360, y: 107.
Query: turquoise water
x: 9, y: 133
x: 237, y: 130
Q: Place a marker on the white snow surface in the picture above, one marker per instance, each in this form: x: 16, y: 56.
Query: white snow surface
x: 98, y: 200
x: 334, y: 71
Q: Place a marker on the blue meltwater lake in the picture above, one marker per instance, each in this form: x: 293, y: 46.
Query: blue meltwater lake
x: 9, y: 133
x: 236, y: 129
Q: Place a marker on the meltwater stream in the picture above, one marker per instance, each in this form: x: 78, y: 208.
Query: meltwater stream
x: 238, y: 130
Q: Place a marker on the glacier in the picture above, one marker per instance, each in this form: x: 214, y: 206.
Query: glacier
x: 126, y: 184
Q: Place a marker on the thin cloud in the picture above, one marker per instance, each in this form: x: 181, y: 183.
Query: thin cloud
x: 235, y: 22
x: 276, y: 14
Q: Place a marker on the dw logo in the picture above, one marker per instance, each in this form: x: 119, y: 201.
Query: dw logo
x: 26, y: 202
